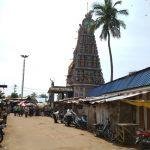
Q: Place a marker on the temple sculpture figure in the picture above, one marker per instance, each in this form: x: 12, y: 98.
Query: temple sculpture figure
x: 85, y: 72
x: 51, y: 94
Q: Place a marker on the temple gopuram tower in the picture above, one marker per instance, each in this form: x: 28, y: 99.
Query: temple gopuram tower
x: 85, y: 72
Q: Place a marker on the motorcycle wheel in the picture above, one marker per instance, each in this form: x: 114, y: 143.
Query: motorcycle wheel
x: 65, y: 123
x: 95, y: 133
x: 68, y: 124
x: 76, y: 126
x: 1, y: 137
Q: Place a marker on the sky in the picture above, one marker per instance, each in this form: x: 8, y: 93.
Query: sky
x: 46, y: 30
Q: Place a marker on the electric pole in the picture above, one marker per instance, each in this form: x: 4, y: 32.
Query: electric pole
x: 23, y: 73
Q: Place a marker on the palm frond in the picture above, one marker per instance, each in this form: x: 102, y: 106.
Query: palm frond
x: 114, y: 27
x: 99, y: 21
x: 123, y: 12
x: 104, y: 32
x: 122, y: 24
x: 115, y: 32
x: 118, y: 2
x: 107, y: 16
x: 108, y: 2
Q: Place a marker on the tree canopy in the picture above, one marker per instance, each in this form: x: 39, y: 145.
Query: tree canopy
x: 107, y: 18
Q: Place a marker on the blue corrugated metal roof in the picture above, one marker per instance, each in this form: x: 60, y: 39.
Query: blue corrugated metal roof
x: 138, y: 79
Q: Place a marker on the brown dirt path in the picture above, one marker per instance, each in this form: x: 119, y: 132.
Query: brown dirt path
x: 40, y: 133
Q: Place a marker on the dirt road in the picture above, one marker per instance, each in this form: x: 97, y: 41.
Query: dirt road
x: 40, y: 133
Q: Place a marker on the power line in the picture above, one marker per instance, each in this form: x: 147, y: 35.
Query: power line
x: 33, y: 89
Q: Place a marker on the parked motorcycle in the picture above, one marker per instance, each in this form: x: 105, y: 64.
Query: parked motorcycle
x: 97, y: 129
x: 104, y: 130
x: 143, y: 139
x: 61, y: 117
x: 69, y: 117
x: 81, y: 122
x: 2, y: 126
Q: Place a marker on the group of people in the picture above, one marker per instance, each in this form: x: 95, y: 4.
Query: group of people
x: 31, y: 111
x: 19, y: 111
x: 3, y: 115
x: 4, y: 111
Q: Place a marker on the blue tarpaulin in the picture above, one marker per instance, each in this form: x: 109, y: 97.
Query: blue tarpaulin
x: 138, y: 79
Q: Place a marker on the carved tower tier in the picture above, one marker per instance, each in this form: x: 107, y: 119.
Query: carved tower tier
x: 85, y: 72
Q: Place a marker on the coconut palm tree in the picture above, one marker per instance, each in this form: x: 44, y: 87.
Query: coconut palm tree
x: 107, y: 17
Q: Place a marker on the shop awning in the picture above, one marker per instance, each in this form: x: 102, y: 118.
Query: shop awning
x: 122, y: 97
x: 144, y: 103
x: 111, y: 98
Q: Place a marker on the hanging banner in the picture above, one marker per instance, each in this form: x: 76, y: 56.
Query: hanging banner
x: 144, y: 103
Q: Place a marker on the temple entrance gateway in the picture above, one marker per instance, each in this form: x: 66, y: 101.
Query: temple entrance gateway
x: 61, y: 91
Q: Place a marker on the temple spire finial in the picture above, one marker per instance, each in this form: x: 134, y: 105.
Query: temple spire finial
x: 87, y: 5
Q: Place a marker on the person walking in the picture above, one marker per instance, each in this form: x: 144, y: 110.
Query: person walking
x: 55, y: 116
x: 26, y: 111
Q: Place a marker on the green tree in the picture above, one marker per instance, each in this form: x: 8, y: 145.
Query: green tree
x: 32, y: 98
x: 14, y: 95
x: 107, y: 17
x: 2, y: 95
x: 33, y: 95
x: 43, y: 96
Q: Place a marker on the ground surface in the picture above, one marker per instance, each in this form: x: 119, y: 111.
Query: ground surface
x: 40, y: 133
